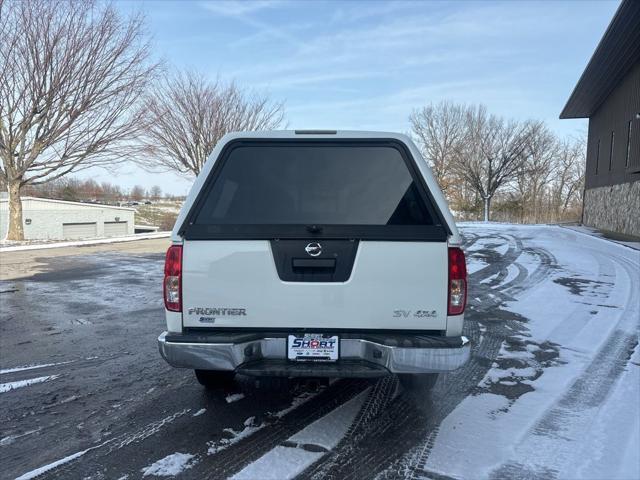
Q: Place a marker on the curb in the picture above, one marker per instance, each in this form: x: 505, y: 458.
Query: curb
x: 82, y: 243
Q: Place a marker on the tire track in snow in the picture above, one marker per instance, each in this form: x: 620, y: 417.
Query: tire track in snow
x: 485, y: 295
x: 546, y: 265
x: 233, y: 459
x: 64, y: 468
x: 583, y: 313
x: 127, y: 453
x: 551, y: 442
x: 407, y: 420
x: 381, y: 394
x: 305, y: 447
x: 384, y: 416
x: 498, y: 261
x: 412, y: 428
x: 521, y: 277
x: 415, y: 462
x: 502, y: 326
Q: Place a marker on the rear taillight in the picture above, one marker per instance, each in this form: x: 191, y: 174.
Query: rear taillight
x: 173, y: 279
x: 457, y: 282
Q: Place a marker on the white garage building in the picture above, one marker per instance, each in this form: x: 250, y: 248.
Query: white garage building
x: 46, y: 219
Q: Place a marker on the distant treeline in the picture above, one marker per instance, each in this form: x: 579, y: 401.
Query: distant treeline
x: 78, y: 190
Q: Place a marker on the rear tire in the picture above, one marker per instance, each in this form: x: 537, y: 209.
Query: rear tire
x: 418, y: 382
x: 215, y: 379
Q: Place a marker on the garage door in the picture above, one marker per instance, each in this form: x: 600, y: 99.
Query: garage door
x: 79, y: 230
x: 115, y: 229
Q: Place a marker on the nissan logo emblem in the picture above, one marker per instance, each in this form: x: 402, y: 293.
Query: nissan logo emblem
x: 314, y: 249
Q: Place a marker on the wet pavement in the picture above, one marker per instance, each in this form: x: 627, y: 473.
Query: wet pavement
x: 100, y: 403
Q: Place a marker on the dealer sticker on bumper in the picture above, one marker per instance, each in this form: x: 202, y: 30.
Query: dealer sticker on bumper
x: 313, y: 347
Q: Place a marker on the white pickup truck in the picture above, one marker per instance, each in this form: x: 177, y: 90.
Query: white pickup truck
x: 315, y: 254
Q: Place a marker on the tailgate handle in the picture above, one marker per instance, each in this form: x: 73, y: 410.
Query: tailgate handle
x: 314, y: 263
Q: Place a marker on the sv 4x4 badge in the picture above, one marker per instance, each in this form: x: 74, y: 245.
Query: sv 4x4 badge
x: 417, y: 313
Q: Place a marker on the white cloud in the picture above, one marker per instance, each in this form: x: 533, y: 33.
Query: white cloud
x: 243, y: 12
x: 237, y: 9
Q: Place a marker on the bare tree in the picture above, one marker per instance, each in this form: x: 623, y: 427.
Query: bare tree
x: 521, y: 169
x: 492, y: 153
x: 156, y: 193
x: 186, y: 115
x: 71, y: 74
x: 137, y: 193
x: 540, y: 162
x: 568, y: 184
x: 440, y: 130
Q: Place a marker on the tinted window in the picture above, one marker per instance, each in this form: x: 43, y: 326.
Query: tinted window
x: 304, y: 184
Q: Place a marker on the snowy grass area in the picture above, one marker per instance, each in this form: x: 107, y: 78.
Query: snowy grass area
x: 154, y: 214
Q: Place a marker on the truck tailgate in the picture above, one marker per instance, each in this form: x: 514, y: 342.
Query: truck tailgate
x: 392, y: 285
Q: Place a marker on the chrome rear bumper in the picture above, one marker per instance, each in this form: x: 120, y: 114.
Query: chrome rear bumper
x: 258, y: 356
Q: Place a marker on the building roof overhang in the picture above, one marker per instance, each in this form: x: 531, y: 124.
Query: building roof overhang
x: 617, y: 52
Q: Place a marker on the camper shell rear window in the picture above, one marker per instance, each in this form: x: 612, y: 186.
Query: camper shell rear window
x: 260, y: 189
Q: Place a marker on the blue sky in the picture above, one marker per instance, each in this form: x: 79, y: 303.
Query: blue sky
x: 367, y: 64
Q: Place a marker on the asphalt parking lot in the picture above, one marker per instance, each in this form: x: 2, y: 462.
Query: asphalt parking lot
x: 84, y: 393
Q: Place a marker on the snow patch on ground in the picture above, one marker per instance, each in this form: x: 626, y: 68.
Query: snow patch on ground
x: 234, y: 397
x: 597, y: 234
x: 328, y: 431
x: 620, y: 458
x: 149, y: 430
x: 169, y: 466
x: 7, y: 387
x: 235, y: 436
x: 512, y: 273
x: 46, y: 468
x: 462, y: 432
x: 490, y: 279
x: 9, y: 439
x: 281, y: 463
x: 39, y: 471
x: 32, y: 367
x: 250, y: 426
x: 297, y: 401
x: 496, y: 375
x: 474, y: 264
x: 285, y: 462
